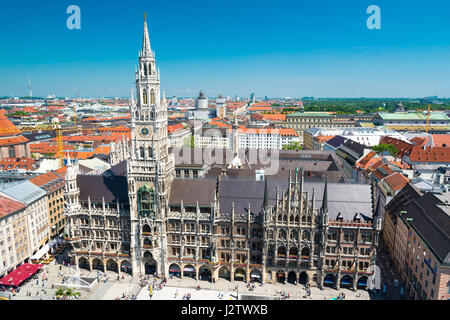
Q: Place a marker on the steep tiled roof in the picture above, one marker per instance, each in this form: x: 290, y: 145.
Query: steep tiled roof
x: 7, y: 128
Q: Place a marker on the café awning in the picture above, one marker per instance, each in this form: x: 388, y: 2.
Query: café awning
x: 19, y: 275
x: 40, y: 253
x: 189, y: 269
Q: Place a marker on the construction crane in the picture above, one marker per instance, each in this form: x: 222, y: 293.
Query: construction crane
x: 428, y: 119
x: 59, y: 138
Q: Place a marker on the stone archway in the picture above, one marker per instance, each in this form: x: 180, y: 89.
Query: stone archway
x: 240, y: 275
x: 150, y: 266
x: 281, y: 252
x: 97, y: 264
x: 329, y: 281
x: 111, y: 265
x: 146, y: 230
x: 224, y: 273
x: 281, y: 277
x: 204, y: 273
x: 303, y: 278
x: 346, y: 282
x: 305, y: 253
x: 175, y: 270
x: 83, y: 263
x: 293, y: 253
x: 256, y: 275
x: 189, y: 271
x: 292, y: 277
x: 125, y: 266
x: 362, y: 282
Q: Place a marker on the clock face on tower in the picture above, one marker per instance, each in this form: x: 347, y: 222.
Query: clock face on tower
x: 145, y: 131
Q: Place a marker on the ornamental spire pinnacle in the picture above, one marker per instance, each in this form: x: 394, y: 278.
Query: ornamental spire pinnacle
x: 146, y: 49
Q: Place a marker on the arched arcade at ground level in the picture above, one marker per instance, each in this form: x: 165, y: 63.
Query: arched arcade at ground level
x: 206, y: 272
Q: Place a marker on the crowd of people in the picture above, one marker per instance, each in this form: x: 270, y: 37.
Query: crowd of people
x: 126, y: 296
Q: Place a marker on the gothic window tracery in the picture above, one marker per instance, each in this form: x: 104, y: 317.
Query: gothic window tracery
x: 152, y: 97
x: 144, y: 97
x: 146, y: 201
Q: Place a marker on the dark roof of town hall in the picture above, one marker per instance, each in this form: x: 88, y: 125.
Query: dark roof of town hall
x: 348, y: 199
x: 191, y: 191
x: 111, y: 188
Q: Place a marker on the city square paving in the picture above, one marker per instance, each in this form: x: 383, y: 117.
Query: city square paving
x: 110, y: 286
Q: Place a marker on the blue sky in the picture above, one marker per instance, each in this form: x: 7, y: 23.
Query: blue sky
x: 294, y: 48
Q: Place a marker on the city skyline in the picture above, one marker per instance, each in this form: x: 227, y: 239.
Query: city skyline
x: 230, y: 49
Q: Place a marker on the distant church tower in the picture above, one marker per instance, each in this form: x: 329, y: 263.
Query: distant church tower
x: 150, y: 170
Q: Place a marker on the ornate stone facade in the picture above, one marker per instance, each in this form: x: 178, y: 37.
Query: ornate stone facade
x: 238, y: 230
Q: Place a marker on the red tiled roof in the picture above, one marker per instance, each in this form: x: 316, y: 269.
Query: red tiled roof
x: 419, y: 141
x: 259, y: 108
x: 17, y: 163
x: 102, y: 150
x: 441, y: 140
x: 368, y: 160
x: 175, y: 127
x: 7, y: 128
x: 12, y: 141
x: 274, y: 117
x: 49, y: 181
x: 436, y: 154
x: 321, y: 138
x: 396, y: 181
x: 403, y: 147
x: 262, y: 104
x: 9, y: 206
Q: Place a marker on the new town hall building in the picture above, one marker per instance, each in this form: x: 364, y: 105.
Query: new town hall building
x: 139, y: 218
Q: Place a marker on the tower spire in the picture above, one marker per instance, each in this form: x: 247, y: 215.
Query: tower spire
x: 146, y: 49
x: 266, y: 195
x: 325, y: 197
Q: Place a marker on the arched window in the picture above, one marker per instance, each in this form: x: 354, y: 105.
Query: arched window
x: 146, y: 200
x: 149, y: 69
x: 141, y: 152
x: 152, y: 97
x: 145, y: 70
x: 282, y: 234
x: 306, y: 235
x: 294, y: 235
x: 136, y: 116
x: 12, y: 152
x: 144, y: 97
x: 150, y: 152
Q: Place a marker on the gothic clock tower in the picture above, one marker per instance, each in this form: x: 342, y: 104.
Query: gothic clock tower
x: 151, y: 169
